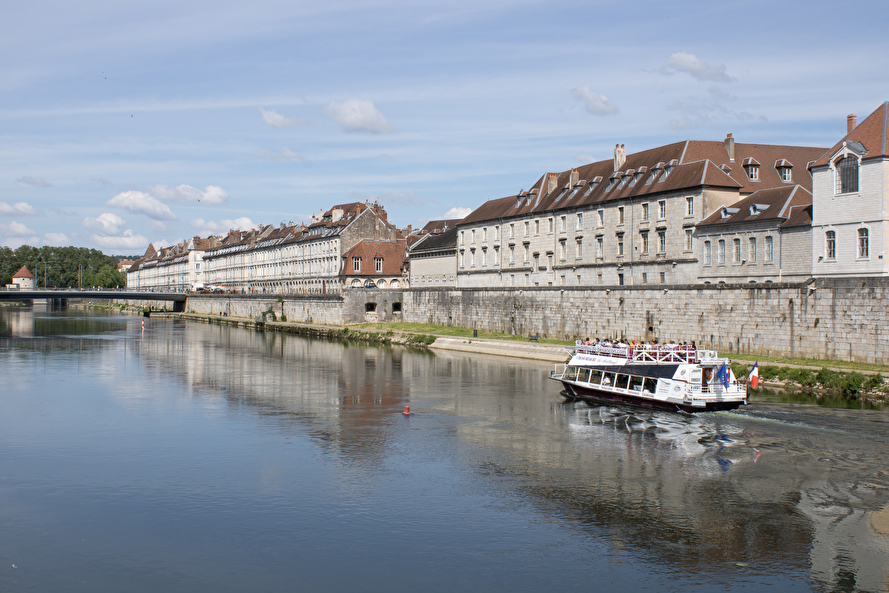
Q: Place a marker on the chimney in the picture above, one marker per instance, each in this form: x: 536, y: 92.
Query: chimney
x: 729, y: 144
x: 851, y: 122
x: 620, y: 156
x: 574, y: 177
x: 551, y: 182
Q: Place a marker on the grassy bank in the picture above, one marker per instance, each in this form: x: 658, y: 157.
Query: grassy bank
x: 449, y: 331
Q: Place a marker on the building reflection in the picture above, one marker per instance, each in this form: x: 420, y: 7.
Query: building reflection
x: 696, y: 494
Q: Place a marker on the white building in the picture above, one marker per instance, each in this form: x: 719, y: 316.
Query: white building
x: 851, y: 201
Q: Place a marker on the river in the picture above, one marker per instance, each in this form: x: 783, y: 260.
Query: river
x: 194, y: 457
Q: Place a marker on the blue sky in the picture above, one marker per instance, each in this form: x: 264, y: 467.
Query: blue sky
x: 129, y: 123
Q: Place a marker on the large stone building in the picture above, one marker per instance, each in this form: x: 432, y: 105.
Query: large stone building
x: 851, y: 201
x: 630, y: 220
x: 433, y: 255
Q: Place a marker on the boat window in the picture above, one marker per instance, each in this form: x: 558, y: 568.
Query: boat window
x: 649, y: 386
x: 622, y: 381
x: 696, y: 376
x: 595, y: 377
x: 572, y: 373
x: 636, y: 383
x: 708, y: 375
x: 608, y: 379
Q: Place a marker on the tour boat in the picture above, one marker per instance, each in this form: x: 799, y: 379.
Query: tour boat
x: 660, y: 376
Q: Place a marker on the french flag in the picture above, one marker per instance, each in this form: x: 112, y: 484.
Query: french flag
x: 754, y: 376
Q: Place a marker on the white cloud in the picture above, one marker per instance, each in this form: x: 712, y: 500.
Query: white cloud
x: 15, y: 229
x: 158, y: 226
x: 276, y: 120
x: 56, y: 239
x: 223, y: 226
x: 285, y: 154
x: 213, y: 194
x: 696, y: 67
x: 142, y: 203
x: 399, y: 198
x: 16, y: 242
x: 585, y: 158
x: 358, y: 115
x: 457, y: 213
x: 35, y: 181
x: 106, y: 223
x: 159, y: 243
x: 126, y: 240
x: 19, y: 208
x: 593, y: 102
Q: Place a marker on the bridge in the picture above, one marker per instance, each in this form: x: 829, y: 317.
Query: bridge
x: 67, y: 294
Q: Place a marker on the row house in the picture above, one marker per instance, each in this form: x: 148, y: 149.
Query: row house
x: 173, y: 269
x: 851, y: 201
x: 630, y: 220
x: 319, y: 258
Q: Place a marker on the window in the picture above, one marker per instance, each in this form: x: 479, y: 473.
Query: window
x: 599, y: 278
x: 536, y: 261
x: 549, y: 261
x: 512, y: 255
x: 663, y: 277
x: 462, y: 237
x: 497, y: 232
x: 600, y: 247
x: 751, y: 250
x: 690, y: 206
x: 847, y: 175
x: 830, y: 247
x: 601, y: 214
x: 620, y: 245
x: 644, y: 212
x: 527, y: 254
x: 564, y: 225
x: 662, y: 210
x: 484, y: 234
x: 863, y: 243
x: 484, y: 258
x: 473, y: 235
x: 786, y: 174
x: 579, y: 248
x: 579, y: 221
x: 662, y: 241
x: 550, y: 221
x: 356, y: 264
x: 752, y: 172
x: 378, y: 264
x: 620, y: 215
x: 472, y: 258
x: 720, y: 252
x: 644, y: 278
x: 707, y: 255
x: 537, y: 227
x: 563, y: 250
x: 644, y: 242
x: 736, y: 251
x: 512, y: 230
x: 689, y: 240
x: 769, y: 249
x: 527, y: 228
x: 620, y: 279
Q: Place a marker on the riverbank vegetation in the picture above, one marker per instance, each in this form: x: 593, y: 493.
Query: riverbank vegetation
x: 851, y: 384
x: 455, y: 332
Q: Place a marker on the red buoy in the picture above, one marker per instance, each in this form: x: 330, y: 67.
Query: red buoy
x: 407, y: 411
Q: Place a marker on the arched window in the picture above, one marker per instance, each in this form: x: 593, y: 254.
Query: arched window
x: 847, y: 175
x: 863, y: 243
x: 830, y: 245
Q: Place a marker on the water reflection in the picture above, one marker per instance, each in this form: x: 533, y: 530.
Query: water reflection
x: 777, y: 493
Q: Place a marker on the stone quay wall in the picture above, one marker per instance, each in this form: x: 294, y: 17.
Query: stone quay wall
x: 838, y: 319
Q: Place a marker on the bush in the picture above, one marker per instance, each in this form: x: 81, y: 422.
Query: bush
x: 768, y: 372
x: 873, y: 383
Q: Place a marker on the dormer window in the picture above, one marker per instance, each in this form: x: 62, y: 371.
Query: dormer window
x: 757, y: 208
x: 668, y: 169
x: 614, y: 179
x: 596, y: 181
x: 785, y: 170
x: 637, y: 175
x: 655, y: 171
x: 726, y: 211
x: 751, y: 167
x: 564, y: 193
x: 847, y: 175
x: 625, y: 178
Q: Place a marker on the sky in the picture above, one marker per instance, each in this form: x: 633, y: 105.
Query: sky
x: 124, y: 124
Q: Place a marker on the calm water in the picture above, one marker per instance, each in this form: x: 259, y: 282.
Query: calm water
x: 191, y: 457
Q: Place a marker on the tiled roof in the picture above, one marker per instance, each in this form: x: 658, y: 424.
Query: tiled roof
x: 436, y: 241
x: 392, y: 253
x: 23, y: 273
x: 872, y: 133
x: 671, y: 168
x: 768, y: 204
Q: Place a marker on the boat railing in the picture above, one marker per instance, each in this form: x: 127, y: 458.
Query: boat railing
x: 651, y: 353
